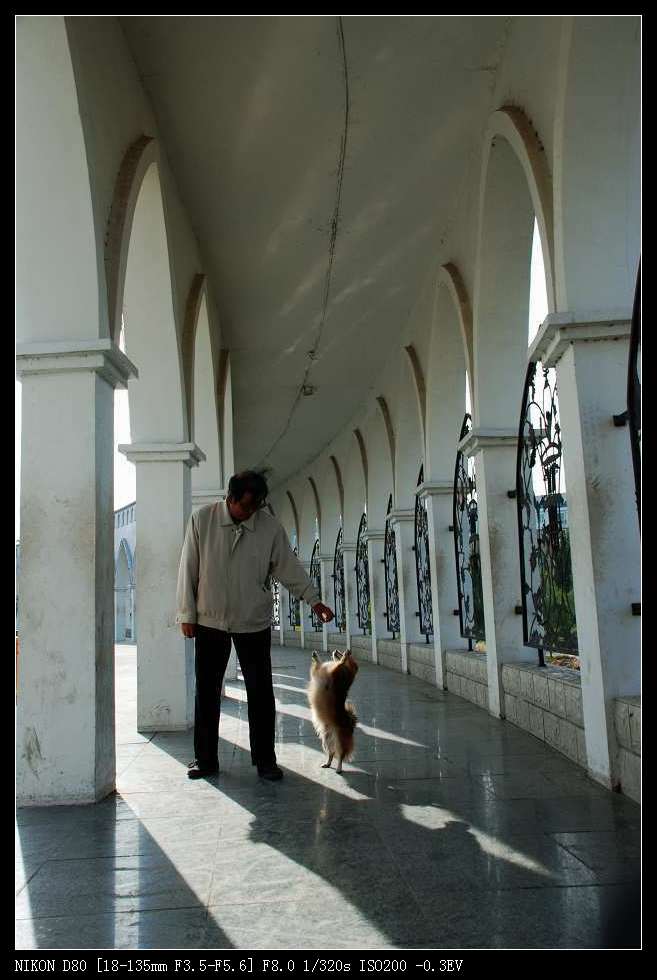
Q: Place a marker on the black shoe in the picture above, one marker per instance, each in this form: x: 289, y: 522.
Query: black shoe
x: 195, y: 770
x: 272, y: 772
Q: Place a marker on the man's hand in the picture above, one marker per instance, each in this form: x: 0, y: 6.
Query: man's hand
x: 324, y: 613
x: 188, y: 630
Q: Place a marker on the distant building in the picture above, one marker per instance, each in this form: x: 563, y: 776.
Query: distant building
x: 125, y: 540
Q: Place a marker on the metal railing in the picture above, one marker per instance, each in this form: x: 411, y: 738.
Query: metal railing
x: 390, y: 565
x: 546, y: 578
x: 338, y: 585
x: 465, y: 527
x: 363, y: 578
x: 422, y: 568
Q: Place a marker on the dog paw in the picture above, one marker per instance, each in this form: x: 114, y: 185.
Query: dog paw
x: 326, y: 765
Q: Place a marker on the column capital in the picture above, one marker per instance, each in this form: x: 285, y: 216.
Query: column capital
x: 202, y: 497
x: 399, y: 516
x: 163, y: 452
x: 349, y: 546
x: 434, y: 488
x: 52, y: 357
x: 559, y: 330
x: 374, y: 535
x: 478, y: 439
x: 330, y: 557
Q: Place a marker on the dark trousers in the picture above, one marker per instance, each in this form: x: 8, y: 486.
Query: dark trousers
x: 253, y: 653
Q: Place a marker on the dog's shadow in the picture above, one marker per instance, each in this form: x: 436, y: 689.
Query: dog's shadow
x: 391, y: 848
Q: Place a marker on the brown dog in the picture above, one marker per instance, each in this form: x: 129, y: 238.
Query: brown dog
x: 334, y: 718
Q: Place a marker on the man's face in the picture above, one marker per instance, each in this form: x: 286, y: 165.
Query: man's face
x: 242, y: 509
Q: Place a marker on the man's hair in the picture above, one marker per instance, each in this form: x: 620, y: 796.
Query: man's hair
x: 248, y: 481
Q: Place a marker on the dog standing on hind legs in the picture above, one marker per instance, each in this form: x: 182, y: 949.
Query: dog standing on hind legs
x: 333, y: 717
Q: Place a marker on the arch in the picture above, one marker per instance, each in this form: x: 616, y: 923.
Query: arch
x: 310, y: 519
x: 450, y: 277
x: 338, y: 480
x: 378, y: 434
x: 389, y: 428
x: 295, y: 513
x: 355, y: 486
x: 60, y: 293
x: 326, y: 482
x: 450, y: 349
x: 597, y: 169
x: 143, y: 293
x: 511, y: 124
x: 124, y: 568
x: 420, y: 387
x: 201, y: 388
x: 190, y: 328
x: 514, y: 194
x: 409, y: 439
x: 124, y: 583
x: 225, y: 403
x: 138, y: 158
x: 363, y: 453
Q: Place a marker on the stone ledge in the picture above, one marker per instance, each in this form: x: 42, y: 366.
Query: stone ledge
x: 630, y: 774
x: 421, y: 653
x: 466, y: 687
x: 627, y: 722
x: 361, y: 642
x: 554, y: 689
x: 464, y: 663
x: 423, y: 671
x: 389, y: 646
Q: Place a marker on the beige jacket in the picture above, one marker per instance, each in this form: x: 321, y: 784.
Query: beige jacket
x: 224, y: 580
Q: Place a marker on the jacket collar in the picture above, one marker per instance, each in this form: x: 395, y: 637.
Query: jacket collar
x: 227, y: 521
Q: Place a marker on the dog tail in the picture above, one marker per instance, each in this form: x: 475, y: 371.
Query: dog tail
x: 346, y: 732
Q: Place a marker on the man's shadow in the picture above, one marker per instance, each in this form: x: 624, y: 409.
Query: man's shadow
x: 371, y: 853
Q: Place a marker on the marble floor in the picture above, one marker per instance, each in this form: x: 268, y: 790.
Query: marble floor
x: 449, y: 830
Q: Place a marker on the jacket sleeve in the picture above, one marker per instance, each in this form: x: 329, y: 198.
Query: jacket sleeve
x: 188, y: 576
x: 288, y: 570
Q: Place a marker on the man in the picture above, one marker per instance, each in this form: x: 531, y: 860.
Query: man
x: 232, y: 551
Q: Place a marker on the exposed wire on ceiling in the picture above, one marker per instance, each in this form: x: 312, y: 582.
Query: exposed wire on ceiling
x: 312, y: 354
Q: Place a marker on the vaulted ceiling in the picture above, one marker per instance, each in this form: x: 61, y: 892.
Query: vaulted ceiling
x: 320, y: 162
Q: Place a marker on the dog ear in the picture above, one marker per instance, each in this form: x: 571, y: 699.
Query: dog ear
x: 337, y: 655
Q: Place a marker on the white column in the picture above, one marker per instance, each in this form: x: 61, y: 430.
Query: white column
x: 375, y: 548
x: 439, y: 497
x: 307, y: 631
x: 285, y: 613
x: 281, y: 614
x: 326, y: 566
x: 403, y: 524
x: 590, y: 354
x: 350, y: 597
x: 165, y: 659
x: 65, y: 704
x: 201, y: 498
x: 495, y: 463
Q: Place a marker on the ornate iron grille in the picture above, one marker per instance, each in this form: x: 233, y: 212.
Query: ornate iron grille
x: 546, y: 578
x: 363, y: 578
x: 294, y: 614
x: 316, y: 576
x: 466, y: 545
x: 338, y: 585
x: 276, y: 604
x: 422, y: 569
x: 634, y: 391
x: 390, y: 565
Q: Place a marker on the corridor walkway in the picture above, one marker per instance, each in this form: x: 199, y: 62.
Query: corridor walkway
x: 450, y: 829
